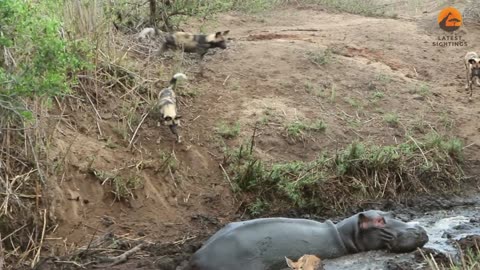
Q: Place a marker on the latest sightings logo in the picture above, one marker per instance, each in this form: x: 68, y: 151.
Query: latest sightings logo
x: 450, y: 19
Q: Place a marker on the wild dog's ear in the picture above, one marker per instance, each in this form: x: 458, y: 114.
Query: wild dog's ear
x: 290, y: 263
x: 226, y: 32
x: 218, y: 34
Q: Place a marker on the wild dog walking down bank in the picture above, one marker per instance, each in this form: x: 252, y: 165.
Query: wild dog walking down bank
x: 167, y: 103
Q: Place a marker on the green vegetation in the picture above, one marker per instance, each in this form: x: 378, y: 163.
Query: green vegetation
x: 421, y: 89
x: 36, y: 61
x: 265, y: 117
x: 121, y: 187
x: 296, y: 128
x: 258, y: 207
x: 313, y: 89
x: 355, y: 103
x: 470, y: 260
x: 228, y: 131
x: 320, y: 57
x: 336, y: 181
x: 391, y: 119
x: 39, y: 64
x: 378, y: 95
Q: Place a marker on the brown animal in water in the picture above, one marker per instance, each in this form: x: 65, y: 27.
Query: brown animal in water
x: 472, y: 65
x: 306, y: 262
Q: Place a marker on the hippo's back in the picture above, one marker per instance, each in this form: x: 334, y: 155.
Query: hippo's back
x: 262, y: 243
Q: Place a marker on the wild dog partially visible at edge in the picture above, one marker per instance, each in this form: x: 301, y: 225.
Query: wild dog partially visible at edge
x: 306, y: 262
x: 167, y: 102
x: 472, y: 64
x: 197, y: 43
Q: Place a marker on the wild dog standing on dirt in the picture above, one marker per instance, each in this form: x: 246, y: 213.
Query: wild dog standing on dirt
x: 167, y: 102
x: 472, y: 64
x: 198, y: 43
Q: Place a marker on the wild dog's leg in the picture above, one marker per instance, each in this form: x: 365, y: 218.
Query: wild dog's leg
x: 468, y: 76
x: 174, y: 130
x: 470, y: 84
x: 202, y: 51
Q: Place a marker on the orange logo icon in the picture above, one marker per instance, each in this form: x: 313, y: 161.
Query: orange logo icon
x: 450, y: 19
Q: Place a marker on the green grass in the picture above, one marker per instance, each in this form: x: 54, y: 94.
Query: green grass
x: 355, y: 103
x: 391, y: 119
x: 296, y: 128
x: 315, y: 90
x: 265, y: 118
x: 421, y: 89
x: 470, y: 260
x: 122, y: 187
x: 320, y: 57
x: 360, y: 171
x: 228, y: 131
x: 383, y: 78
x: 258, y: 207
x: 378, y: 95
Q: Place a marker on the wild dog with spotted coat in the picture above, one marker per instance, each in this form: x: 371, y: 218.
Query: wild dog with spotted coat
x: 472, y: 64
x: 167, y: 102
x: 195, y: 43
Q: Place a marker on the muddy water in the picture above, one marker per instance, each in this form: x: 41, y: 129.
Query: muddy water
x: 443, y: 227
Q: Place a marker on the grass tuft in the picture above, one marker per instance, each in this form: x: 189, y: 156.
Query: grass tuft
x: 228, y: 131
x: 296, y: 128
x: 391, y: 119
x: 321, y: 57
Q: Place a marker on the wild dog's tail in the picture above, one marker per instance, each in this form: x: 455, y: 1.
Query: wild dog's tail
x: 177, y: 76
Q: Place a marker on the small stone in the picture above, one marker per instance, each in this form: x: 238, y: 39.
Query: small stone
x: 418, y: 97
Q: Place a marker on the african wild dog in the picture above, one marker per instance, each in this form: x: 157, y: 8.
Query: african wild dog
x: 472, y: 64
x: 198, y: 43
x: 306, y: 262
x: 167, y: 102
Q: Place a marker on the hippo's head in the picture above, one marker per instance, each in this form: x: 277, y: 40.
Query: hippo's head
x: 375, y: 230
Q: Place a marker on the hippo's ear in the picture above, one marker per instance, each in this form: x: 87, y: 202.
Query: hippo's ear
x: 363, y: 221
x: 289, y: 263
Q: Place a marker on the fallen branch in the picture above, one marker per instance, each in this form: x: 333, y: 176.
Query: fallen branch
x: 136, y: 130
x: 123, y: 257
x: 36, y: 259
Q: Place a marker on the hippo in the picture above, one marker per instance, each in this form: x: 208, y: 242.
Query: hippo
x: 262, y: 244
